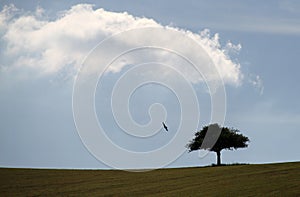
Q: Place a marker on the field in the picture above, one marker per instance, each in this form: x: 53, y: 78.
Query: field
x: 281, y: 179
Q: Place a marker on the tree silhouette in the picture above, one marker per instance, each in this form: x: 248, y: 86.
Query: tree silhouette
x: 225, y: 138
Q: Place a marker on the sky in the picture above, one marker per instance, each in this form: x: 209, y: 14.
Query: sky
x: 52, y: 99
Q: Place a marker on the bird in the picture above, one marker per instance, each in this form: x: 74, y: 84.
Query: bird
x: 165, y: 126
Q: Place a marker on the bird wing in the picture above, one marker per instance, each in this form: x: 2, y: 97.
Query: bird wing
x: 166, y: 128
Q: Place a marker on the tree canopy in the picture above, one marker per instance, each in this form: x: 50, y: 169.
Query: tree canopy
x: 214, y: 138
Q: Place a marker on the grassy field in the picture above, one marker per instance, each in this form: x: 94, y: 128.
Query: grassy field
x: 240, y: 180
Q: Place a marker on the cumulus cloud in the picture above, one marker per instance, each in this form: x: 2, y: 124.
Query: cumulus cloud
x: 257, y: 82
x: 5, y: 15
x: 31, y: 40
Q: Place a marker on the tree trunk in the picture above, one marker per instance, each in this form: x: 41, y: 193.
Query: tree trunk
x: 218, y: 158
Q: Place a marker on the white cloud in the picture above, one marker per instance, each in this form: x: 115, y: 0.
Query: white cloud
x: 5, y: 15
x: 48, y: 46
x: 257, y: 82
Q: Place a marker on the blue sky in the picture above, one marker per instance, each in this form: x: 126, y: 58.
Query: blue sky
x: 37, y: 127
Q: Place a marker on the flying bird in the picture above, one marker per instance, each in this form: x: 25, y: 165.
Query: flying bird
x: 165, y: 126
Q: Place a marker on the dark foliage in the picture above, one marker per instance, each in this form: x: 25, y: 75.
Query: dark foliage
x: 217, y: 139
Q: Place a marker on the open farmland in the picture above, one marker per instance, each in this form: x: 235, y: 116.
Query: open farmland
x: 281, y: 179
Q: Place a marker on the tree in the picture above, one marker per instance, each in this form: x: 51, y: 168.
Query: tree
x: 214, y: 138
